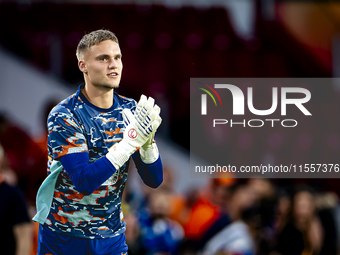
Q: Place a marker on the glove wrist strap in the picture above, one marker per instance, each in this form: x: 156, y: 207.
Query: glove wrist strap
x: 120, y: 153
x: 150, y: 154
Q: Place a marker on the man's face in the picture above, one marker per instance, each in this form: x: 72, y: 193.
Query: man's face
x: 102, y: 65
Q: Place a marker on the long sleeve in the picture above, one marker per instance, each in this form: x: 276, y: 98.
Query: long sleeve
x: 87, y: 177
x: 151, y: 174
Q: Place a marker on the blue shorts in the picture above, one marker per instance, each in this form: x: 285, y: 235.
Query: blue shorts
x: 50, y: 242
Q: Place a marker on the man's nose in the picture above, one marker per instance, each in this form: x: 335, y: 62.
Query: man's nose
x: 113, y: 64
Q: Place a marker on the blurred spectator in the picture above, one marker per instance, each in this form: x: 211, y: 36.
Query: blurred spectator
x: 282, y: 211
x: 236, y: 207
x: 9, y: 176
x: 16, y: 228
x: 239, y: 236
x: 152, y: 230
x: 326, y: 204
x: 24, y: 156
x: 205, y: 212
x: 303, y: 232
x: 266, y: 197
x: 262, y: 188
x: 159, y: 234
x: 205, y: 207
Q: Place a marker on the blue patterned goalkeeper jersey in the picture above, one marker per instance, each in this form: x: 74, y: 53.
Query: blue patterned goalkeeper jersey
x: 77, y: 126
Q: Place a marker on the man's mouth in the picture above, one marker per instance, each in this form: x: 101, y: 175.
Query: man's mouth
x: 113, y: 74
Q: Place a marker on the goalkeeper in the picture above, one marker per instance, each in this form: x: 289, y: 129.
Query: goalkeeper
x: 91, y: 137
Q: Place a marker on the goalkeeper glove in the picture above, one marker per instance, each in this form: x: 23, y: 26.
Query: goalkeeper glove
x: 135, y: 135
x: 149, y: 151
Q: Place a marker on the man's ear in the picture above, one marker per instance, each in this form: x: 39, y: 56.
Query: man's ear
x: 82, y: 66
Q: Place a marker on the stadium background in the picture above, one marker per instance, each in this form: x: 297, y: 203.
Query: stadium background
x: 164, y: 43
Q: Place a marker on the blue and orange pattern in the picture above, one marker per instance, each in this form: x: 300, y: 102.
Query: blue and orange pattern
x: 77, y: 126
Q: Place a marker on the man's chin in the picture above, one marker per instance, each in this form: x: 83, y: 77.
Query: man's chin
x: 106, y: 86
x: 110, y: 86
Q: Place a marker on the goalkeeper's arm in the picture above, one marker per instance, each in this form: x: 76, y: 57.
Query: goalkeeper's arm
x: 147, y: 159
x: 88, y: 177
x: 149, y: 164
x: 152, y: 173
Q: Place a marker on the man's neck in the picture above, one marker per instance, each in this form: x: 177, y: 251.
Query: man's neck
x: 102, y: 98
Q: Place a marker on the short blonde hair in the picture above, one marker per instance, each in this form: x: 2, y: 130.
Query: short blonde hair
x: 94, y: 38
